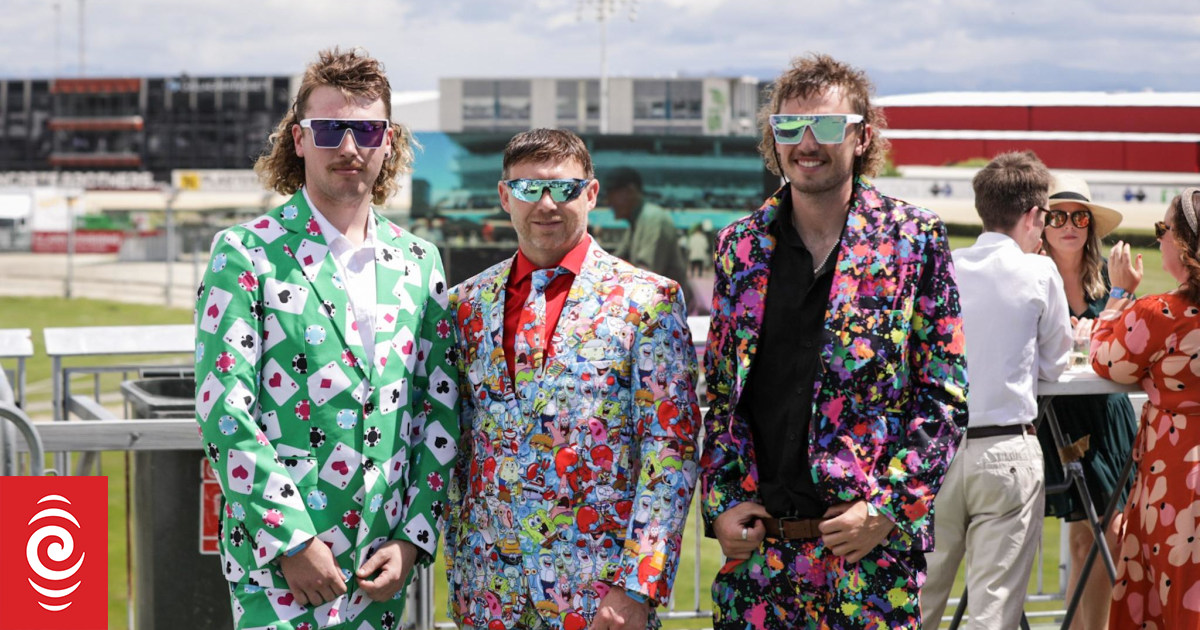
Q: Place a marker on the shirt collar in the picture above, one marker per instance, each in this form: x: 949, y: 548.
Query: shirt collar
x: 337, y: 242
x: 572, y: 261
x: 997, y: 238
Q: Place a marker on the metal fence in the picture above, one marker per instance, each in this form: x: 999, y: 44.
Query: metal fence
x: 78, y: 395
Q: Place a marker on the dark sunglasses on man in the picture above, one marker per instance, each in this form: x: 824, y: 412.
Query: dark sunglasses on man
x: 1079, y: 218
x: 328, y: 133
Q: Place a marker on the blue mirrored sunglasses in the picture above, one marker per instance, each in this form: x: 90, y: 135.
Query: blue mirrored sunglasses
x: 531, y: 190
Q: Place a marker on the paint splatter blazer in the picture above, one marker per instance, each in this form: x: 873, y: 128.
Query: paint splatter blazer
x: 889, y: 402
x: 307, y: 437
x: 583, y: 477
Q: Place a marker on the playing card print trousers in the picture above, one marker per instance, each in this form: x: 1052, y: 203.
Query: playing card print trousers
x: 262, y: 608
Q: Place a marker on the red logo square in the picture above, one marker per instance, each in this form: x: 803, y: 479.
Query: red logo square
x: 54, y: 550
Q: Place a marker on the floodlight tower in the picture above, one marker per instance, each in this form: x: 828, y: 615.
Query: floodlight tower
x: 605, y: 9
x: 81, y: 33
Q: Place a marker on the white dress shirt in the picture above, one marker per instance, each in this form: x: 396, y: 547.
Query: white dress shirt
x: 1017, y: 325
x: 356, y: 266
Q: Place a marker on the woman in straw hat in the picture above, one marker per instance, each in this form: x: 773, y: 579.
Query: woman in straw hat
x: 1155, y: 341
x: 1102, y: 425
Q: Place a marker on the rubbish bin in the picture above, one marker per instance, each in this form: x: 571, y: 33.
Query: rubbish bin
x: 176, y: 585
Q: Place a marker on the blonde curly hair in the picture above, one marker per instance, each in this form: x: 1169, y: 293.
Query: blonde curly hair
x: 357, y: 75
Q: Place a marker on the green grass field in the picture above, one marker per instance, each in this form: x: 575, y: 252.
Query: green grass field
x: 39, y: 313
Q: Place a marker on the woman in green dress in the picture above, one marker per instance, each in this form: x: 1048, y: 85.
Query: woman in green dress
x: 1102, y: 424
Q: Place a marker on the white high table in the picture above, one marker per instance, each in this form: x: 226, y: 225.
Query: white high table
x: 1075, y: 382
x: 1080, y: 382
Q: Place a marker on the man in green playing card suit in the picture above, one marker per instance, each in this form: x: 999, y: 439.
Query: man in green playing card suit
x: 326, y: 387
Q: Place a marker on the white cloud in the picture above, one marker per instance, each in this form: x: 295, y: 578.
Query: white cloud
x: 422, y: 41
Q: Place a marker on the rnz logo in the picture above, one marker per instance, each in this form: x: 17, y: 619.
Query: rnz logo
x: 50, y: 522
x: 54, y: 553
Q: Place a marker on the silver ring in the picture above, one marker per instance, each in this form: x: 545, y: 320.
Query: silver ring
x: 744, y: 530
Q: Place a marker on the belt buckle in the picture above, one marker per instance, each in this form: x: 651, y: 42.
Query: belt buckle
x: 783, y: 525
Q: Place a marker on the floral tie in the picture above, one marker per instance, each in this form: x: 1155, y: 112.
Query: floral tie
x: 530, y: 342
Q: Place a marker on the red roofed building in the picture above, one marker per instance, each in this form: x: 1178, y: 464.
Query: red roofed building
x: 1141, y: 131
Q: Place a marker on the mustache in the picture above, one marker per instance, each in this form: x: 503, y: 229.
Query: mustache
x: 356, y: 164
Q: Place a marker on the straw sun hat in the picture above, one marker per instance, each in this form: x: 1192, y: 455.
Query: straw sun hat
x: 1071, y: 188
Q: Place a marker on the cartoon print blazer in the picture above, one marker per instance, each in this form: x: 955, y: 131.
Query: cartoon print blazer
x: 583, y: 477
x: 889, y: 403
x: 306, y: 438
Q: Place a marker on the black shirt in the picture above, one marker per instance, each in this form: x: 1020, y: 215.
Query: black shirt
x: 778, y: 398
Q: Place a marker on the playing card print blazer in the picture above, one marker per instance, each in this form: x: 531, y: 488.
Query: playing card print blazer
x: 306, y: 438
x: 889, y: 401
x: 582, y: 477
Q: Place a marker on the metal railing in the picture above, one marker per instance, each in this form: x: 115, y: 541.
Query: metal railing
x: 97, y: 430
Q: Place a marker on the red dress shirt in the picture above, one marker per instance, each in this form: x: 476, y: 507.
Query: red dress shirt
x: 517, y: 291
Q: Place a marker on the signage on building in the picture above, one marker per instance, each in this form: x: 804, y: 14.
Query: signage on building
x: 87, y: 180
x: 717, y: 107
x: 219, y: 84
x: 216, y: 180
x: 86, y: 242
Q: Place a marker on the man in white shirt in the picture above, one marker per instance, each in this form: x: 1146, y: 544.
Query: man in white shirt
x: 1018, y: 330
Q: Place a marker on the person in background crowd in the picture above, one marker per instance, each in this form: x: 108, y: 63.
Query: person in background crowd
x: 652, y: 241
x: 1101, y: 427
x: 836, y: 375
x: 1155, y: 341
x: 1018, y: 331
x: 699, y: 250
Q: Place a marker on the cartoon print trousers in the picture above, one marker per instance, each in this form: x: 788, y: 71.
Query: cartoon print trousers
x: 801, y: 584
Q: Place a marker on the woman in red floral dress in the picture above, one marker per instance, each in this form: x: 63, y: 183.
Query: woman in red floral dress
x: 1155, y: 341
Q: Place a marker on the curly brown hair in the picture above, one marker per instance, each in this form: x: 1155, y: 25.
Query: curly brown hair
x: 815, y: 75
x: 1188, y: 243
x: 357, y: 75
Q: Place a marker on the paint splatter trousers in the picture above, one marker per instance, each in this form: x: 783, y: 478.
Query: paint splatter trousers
x: 801, y: 584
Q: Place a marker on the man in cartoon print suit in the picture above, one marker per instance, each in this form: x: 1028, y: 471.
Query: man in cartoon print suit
x: 579, y: 417
x: 326, y: 375
x: 836, y: 376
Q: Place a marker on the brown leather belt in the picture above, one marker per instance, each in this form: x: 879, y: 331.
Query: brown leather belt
x: 997, y: 431
x: 792, y: 528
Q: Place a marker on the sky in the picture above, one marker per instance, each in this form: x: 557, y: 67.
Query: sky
x: 906, y: 46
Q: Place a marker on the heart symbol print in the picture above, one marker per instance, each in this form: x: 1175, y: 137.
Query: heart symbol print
x: 341, y: 467
x: 276, y: 380
x: 262, y: 225
x: 286, y: 599
x: 407, y: 349
x: 213, y: 311
x: 240, y: 472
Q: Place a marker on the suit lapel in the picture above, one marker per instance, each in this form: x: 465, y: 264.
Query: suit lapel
x: 756, y: 240
x: 397, y: 277
x: 594, y: 268
x: 491, y: 346
x: 307, y: 245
